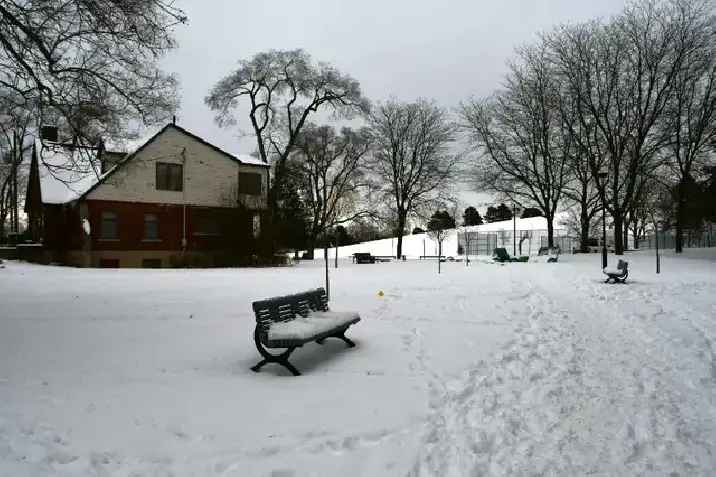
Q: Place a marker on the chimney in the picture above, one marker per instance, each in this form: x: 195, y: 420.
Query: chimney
x: 174, y: 120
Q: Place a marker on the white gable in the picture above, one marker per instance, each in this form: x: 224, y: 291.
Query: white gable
x: 211, y: 176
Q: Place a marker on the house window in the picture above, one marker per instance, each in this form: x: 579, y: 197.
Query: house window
x: 170, y: 176
x: 151, y: 227
x: 206, y: 225
x: 109, y: 229
x: 249, y: 183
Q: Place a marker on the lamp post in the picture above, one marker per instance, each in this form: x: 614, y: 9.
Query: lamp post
x: 603, y: 181
x: 658, y: 257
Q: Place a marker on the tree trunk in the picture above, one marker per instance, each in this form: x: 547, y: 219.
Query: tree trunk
x: 401, y: 228
x: 618, y: 232
x: 584, y: 232
x: 310, y: 247
x: 440, y: 254
x: 679, y: 225
x: 627, y: 223
x: 550, y: 231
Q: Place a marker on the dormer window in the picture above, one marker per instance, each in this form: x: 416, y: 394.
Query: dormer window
x: 249, y: 183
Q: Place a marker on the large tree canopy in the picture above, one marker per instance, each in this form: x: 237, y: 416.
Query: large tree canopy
x: 281, y: 91
x: 328, y: 168
x: 412, y: 162
x: 92, y: 64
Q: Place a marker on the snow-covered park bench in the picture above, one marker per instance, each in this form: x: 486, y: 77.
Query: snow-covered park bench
x: 291, y: 321
x: 552, y: 253
x: 620, y: 274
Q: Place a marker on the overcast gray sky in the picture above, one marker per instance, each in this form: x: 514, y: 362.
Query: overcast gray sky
x: 447, y: 50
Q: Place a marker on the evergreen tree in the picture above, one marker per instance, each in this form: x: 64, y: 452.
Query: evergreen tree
x: 531, y: 212
x: 441, y: 220
x: 504, y: 212
x: 471, y: 217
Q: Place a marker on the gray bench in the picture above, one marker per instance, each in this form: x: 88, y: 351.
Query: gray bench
x: 361, y: 257
x: 620, y: 274
x: 291, y: 321
x: 552, y: 252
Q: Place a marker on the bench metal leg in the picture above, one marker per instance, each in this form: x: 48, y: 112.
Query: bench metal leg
x: 281, y: 359
x: 259, y: 365
x: 340, y: 335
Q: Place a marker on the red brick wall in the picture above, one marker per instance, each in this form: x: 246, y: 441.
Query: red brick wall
x: 231, y: 225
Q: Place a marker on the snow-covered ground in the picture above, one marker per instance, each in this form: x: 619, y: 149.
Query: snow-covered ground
x: 523, y: 368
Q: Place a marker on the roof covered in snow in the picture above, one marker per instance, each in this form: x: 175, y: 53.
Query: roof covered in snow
x: 65, y: 172
x: 134, y: 145
x: 249, y: 159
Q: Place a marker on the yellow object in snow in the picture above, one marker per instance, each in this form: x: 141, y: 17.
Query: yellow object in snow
x: 380, y: 293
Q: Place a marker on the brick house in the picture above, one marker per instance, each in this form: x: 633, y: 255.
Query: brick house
x: 176, y: 200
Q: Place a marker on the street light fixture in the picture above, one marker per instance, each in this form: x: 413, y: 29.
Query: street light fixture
x: 602, y: 175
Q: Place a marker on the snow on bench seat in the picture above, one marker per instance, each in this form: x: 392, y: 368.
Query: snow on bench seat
x: 613, y: 271
x: 315, y: 323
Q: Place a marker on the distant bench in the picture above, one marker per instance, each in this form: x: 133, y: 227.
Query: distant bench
x: 365, y: 257
x: 552, y: 252
x: 293, y: 320
x: 387, y: 258
x: 443, y: 258
x: 361, y: 257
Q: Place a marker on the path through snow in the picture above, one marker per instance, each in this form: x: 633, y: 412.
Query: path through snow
x: 610, y: 380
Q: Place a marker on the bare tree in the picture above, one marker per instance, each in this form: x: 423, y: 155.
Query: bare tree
x: 411, y: 163
x: 92, y: 63
x: 623, y: 74
x: 282, y: 89
x: 580, y: 188
x: 526, y: 147
x: 329, y: 171
x: 438, y: 229
x: 16, y: 122
x: 689, y: 120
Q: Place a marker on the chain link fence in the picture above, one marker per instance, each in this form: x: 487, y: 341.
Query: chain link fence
x: 692, y: 239
x: 528, y: 242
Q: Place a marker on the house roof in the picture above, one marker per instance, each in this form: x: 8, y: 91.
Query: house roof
x: 65, y: 173
x: 241, y: 160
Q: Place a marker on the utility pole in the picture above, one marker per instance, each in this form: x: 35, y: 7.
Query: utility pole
x: 514, y: 229
x: 514, y: 232
x: 603, y: 178
x: 325, y: 260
